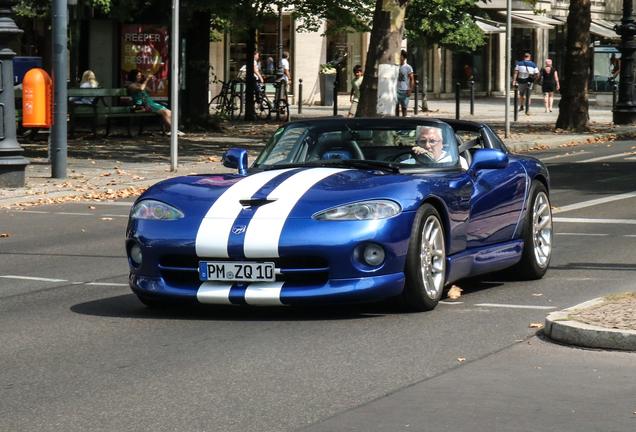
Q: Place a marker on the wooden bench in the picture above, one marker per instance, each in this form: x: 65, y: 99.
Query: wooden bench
x: 94, y: 111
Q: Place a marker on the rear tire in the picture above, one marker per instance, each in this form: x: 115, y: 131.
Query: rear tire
x: 425, y: 268
x: 217, y: 104
x: 282, y: 111
x: 537, y: 235
x: 262, y: 109
x: 236, y: 106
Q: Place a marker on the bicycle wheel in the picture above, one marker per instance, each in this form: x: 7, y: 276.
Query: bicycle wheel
x: 217, y: 104
x: 282, y: 110
x: 236, y: 106
x: 262, y: 109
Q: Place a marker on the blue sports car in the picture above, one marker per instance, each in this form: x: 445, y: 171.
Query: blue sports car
x: 344, y: 210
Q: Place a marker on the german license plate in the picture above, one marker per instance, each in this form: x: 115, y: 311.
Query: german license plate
x: 237, y: 271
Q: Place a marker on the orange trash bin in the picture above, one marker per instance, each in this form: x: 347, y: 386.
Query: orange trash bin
x: 37, y: 95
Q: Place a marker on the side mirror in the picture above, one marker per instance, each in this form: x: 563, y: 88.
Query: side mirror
x: 236, y: 158
x: 488, y: 159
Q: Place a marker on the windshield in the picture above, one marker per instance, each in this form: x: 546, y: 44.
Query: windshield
x: 395, y: 143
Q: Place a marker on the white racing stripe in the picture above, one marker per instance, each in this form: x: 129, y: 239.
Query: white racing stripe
x: 214, y: 292
x: 264, y: 294
x: 594, y: 202
x: 214, y: 232
x: 263, y: 232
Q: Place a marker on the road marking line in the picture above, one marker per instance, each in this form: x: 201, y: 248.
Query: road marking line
x: 450, y: 302
x: 114, y: 215
x: 74, y: 214
x: 34, y: 211
x: 128, y: 204
x: 514, y: 306
x: 594, y: 202
x: 562, y: 156
x: 582, y: 234
x: 603, y: 158
x: 106, y: 284
x: 33, y: 278
x: 596, y: 221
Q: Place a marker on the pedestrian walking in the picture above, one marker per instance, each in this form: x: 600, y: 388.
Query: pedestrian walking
x: 355, y: 90
x: 405, y: 84
x: 549, y: 82
x: 525, y: 74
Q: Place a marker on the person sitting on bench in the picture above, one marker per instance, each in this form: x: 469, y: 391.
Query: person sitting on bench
x: 137, y: 90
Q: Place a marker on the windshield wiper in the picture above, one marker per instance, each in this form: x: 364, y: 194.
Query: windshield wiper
x: 347, y: 163
x: 363, y: 164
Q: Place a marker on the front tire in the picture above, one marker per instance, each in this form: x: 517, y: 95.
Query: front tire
x: 425, y: 268
x: 282, y: 111
x: 537, y: 235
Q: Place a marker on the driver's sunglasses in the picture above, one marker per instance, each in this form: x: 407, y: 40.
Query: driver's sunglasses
x: 432, y: 142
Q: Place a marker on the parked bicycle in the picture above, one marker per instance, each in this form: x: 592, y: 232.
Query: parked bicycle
x: 229, y: 101
x: 262, y: 105
x: 281, y: 106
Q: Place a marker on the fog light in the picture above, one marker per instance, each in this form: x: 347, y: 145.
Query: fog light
x: 374, y: 255
x: 135, y: 254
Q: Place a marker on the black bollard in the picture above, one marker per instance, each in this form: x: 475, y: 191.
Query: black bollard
x: 516, y: 102
x: 416, y: 91
x: 335, y: 98
x: 528, y: 93
x: 472, y: 98
x: 457, y: 101
x: 300, y: 96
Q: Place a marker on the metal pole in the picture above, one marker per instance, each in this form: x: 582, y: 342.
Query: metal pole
x: 625, y: 110
x: 417, y: 92
x: 516, y: 102
x: 300, y: 96
x: 457, y: 101
x: 174, y: 86
x: 335, y: 98
x: 279, y: 68
x: 528, y: 94
x: 12, y: 163
x: 472, y: 97
x: 508, y: 64
x: 60, y: 56
x: 424, y: 99
x: 614, y: 95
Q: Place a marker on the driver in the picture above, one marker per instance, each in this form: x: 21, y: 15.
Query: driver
x: 429, y: 142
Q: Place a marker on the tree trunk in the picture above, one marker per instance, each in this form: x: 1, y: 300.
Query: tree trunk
x: 573, y: 109
x: 378, y: 94
x: 195, y: 100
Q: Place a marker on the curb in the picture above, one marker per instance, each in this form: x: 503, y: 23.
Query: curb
x: 560, y: 328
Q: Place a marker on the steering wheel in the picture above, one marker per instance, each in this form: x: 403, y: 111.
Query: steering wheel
x: 406, y: 155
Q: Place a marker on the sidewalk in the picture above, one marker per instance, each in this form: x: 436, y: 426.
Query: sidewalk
x: 121, y: 167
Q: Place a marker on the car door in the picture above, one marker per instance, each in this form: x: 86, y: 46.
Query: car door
x: 497, y: 198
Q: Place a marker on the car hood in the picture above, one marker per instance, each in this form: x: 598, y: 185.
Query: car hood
x: 290, y: 193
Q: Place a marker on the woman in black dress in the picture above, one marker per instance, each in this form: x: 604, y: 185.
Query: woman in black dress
x: 550, y: 80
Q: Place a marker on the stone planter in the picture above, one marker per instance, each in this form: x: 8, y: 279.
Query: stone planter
x: 326, y: 89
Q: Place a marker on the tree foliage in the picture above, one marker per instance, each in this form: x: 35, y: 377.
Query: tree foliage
x: 449, y: 23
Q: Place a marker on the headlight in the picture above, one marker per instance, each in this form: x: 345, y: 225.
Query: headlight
x: 155, y: 210
x: 363, y: 210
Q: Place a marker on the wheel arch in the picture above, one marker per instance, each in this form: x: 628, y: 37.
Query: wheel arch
x: 438, y: 204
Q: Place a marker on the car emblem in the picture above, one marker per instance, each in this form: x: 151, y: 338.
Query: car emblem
x: 239, y: 229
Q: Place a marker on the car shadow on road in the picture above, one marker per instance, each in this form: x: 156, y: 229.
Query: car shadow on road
x: 128, y: 306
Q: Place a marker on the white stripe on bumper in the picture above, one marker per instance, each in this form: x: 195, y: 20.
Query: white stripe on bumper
x: 214, y: 292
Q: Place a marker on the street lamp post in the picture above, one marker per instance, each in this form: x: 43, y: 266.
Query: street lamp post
x: 625, y: 109
x: 12, y: 163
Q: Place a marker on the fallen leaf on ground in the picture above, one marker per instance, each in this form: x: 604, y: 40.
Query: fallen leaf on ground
x: 455, y: 292
x: 461, y: 359
x: 5, y: 235
x: 537, y: 295
x: 92, y: 207
x: 536, y: 326
x: 519, y: 340
x: 106, y: 219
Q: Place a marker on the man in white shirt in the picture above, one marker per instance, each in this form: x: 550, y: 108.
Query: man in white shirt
x: 285, y: 63
x: 526, y: 72
x: 430, y: 142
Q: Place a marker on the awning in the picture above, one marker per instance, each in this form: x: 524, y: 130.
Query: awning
x: 597, y: 28
x: 488, y: 27
x: 538, y: 18
x: 523, y: 22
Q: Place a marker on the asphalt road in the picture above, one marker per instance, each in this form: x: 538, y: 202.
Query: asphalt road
x: 78, y: 352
